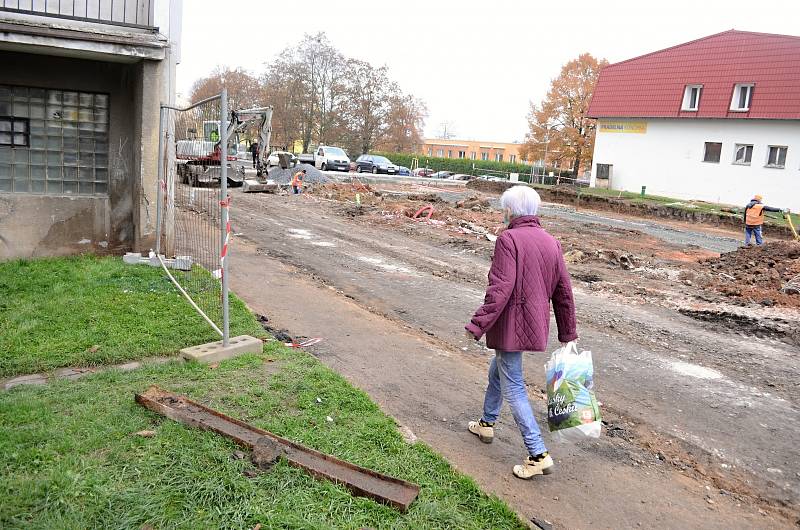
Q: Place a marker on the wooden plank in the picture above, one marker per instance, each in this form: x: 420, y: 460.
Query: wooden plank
x: 360, y: 481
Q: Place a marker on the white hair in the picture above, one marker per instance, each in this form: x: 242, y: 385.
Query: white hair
x: 521, y: 200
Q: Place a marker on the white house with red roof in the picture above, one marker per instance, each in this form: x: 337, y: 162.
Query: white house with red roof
x: 716, y: 119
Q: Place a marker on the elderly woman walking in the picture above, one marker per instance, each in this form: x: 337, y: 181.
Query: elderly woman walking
x: 527, y: 273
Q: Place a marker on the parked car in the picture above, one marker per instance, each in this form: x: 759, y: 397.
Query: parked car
x: 274, y: 160
x: 375, y: 164
x: 422, y: 172
x: 404, y: 171
x: 329, y: 158
x: 461, y: 176
x: 440, y: 175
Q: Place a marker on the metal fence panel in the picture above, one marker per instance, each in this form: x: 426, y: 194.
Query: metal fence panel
x: 192, y: 205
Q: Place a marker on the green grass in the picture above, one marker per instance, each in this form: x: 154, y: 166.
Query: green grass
x: 88, y: 311
x: 69, y: 457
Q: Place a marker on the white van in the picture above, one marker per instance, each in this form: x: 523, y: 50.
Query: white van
x: 328, y: 158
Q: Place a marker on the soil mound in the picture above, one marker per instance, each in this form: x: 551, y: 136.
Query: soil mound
x: 769, y: 274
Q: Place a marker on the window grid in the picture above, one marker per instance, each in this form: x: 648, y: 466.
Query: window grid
x: 67, y: 148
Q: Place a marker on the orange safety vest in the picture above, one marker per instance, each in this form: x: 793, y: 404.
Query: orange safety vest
x: 755, y: 215
x: 297, y: 180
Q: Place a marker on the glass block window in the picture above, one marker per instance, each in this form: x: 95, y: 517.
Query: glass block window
x: 58, y: 141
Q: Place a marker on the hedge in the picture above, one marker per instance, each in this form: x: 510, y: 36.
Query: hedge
x: 463, y: 165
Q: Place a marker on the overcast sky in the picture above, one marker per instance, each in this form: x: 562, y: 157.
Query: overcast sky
x: 476, y: 64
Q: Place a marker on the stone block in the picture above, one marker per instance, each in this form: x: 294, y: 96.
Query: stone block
x: 32, y: 379
x: 215, y: 351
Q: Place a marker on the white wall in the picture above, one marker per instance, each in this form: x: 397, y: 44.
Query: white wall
x: 668, y: 159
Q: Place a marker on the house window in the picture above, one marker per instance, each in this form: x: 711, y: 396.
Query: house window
x: 742, y: 94
x: 430, y: 152
x: 713, y: 152
x: 53, y: 141
x: 484, y: 156
x: 462, y: 154
x: 743, y: 154
x: 472, y: 155
x: 512, y: 158
x: 14, y: 132
x: 776, y: 156
x: 440, y: 153
x: 691, y: 97
x: 450, y: 153
x: 498, y: 157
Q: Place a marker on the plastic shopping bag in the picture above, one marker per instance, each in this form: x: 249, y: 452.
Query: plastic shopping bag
x: 572, y: 410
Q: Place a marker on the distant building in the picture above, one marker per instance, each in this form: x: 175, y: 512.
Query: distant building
x: 80, y: 88
x: 472, y: 150
x: 715, y: 119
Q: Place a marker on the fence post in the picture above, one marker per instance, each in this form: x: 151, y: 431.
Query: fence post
x: 224, y: 206
x: 160, y: 180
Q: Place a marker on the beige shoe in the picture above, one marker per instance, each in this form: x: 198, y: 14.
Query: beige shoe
x: 484, y: 431
x: 530, y: 467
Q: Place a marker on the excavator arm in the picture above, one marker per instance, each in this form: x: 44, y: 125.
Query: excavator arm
x: 242, y: 119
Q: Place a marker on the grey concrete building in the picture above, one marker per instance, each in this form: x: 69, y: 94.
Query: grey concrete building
x: 80, y: 86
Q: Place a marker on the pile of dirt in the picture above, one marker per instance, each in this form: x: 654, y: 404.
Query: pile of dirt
x: 475, y: 203
x: 424, y: 197
x: 346, y: 192
x: 284, y: 176
x: 767, y: 274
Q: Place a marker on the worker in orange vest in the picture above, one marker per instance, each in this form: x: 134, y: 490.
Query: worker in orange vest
x: 297, y: 182
x: 754, y: 219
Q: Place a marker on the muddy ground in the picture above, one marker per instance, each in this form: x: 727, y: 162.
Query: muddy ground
x: 697, y: 380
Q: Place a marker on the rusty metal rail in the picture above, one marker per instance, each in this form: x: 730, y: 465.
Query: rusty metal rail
x: 360, y: 481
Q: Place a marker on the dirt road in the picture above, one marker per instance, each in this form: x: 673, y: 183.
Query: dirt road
x: 703, y: 423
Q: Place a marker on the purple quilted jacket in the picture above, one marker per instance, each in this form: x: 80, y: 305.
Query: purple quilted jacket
x: 527, y: 272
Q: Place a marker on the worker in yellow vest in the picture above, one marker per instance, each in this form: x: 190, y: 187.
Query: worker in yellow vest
x: 297, y: 182
x: 754, y: 219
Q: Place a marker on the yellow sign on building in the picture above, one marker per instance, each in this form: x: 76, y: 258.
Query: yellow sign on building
x: 634, y: 127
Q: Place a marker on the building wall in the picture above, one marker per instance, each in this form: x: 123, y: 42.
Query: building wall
x: 432, y: 146
x: 667, y: 157
x: 38, y: 225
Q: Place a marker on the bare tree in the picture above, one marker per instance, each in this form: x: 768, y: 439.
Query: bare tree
x: 367, y: 104
x: 319, y: 96
x: 446, y: 130
x: 244, y: 90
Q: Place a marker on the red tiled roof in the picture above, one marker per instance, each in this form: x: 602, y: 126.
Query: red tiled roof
x: 652, y: 86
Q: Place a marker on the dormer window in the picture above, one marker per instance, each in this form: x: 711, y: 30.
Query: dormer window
x: 742, y: 94
x: 691, y: 97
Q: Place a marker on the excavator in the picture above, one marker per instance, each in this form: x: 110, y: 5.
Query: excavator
x: 199, y: 162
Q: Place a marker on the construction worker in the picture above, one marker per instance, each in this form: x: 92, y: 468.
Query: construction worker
x: 297, y: 182
x: 754, y: 219
x: 255, y: 149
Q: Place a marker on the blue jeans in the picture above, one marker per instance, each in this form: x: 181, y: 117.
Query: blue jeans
x: 506, y: 381
x: 748, y: 233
